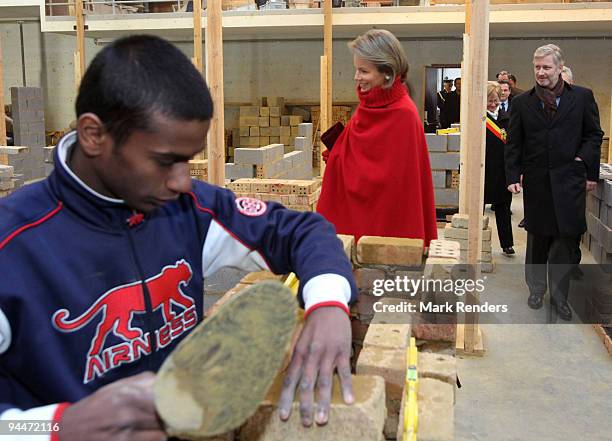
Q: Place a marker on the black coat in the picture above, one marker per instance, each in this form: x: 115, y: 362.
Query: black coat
x: 543, y: 151
x: 449, y: 104
x: 495, y: 188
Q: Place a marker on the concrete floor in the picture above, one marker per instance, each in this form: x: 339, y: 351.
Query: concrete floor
x: 535, y: 382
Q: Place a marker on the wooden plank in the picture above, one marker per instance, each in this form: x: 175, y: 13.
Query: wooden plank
x: 80, y: 36
x: 327, y: 48
x: 324, y: 117
x: 2, y: 114
x: 610, y: 135
x: 477, y: 61
x: 78, y: 73
x: 197, y: 34
x: 479, y: 348
x: 463, y: 122
x: 214, y: 78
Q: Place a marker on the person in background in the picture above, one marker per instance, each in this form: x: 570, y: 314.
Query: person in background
x: 514, y: 90
x: 378, y: 179
x: 495, y: 191
x: 567, y: 75
x: 443, y: 97
x: 554, y: 143
x: 504, y: 95
x: 502, y: 75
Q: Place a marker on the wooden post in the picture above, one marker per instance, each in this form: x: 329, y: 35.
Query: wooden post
x: 324, y: 116
x: 197, y: 34
x: 79, y: 68
x: 465, y: 86
x: 477, y: 66
x: 327, y: 48
x: 214, y: 78
x: 2, y: 114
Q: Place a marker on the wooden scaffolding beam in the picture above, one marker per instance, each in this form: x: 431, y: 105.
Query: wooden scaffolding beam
x: 197, y: 35
x: 2, y: 114
x: 473, y: 129
x: 214, y: 78
x: 79, y: 56
x: 325, y: 118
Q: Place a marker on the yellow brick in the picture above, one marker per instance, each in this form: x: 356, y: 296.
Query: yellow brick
x: 390, y: 251
x: 264, y: 111
x: 264, y: 121
x: 274, y: 121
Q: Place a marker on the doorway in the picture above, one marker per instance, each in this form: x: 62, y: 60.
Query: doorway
x: 434, y: 78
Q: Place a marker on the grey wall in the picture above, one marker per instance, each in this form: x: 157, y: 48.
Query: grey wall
x: 291, y: 68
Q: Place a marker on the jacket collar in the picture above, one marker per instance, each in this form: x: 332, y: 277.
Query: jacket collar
x: 381, y: 97
x: 566, y: 103
x: 83, y: 201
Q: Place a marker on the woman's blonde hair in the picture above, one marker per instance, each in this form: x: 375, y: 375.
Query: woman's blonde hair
x: 383, y: 49
x: 493, y: 88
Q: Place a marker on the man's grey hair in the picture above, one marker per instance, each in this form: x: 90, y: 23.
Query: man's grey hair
x: 550, y: 49
x: 566, y: 72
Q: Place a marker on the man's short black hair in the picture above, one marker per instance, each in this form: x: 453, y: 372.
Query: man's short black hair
x: 457, y: 79
x: 136, y: 77
x: 512, y: 77
x: 503, y: 82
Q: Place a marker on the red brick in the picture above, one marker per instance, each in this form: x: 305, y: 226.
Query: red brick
x: 426, y: 331
x: 365, y: 277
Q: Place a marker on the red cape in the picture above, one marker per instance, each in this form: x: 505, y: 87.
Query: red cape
x: 378, y: 179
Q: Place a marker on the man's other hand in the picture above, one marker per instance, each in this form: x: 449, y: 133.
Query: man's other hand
x: 514, y: 188
x: 123, y: 410
x: 591, y: 185
x: 324, y: 345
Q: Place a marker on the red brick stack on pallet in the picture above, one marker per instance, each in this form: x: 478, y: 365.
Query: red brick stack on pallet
x: 300, y: 195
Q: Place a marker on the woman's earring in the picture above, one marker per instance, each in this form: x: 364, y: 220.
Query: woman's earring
x: 387, y: 77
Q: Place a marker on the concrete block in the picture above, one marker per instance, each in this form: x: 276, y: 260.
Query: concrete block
x: 364, y: 420
x: 348, y: 243
x: 463, y: 244
x: 436, y: 410
x: 301, y: 143
x: 454, y: 142
x: 253, y: 156
x: 388, y: 336
x: 439, y: 178
x: 461, y: 221
x: 436, y: 143
x: 605, y: 236
x: 592, y: 204
x: 444, y: 161
x: 6, y: 171
x: 294, y: 158
x: 389, y: 364
x: 438, y: 366
x: 606, y: 215
x: 390, y: 251
x: 446, y: 196
x: 607, y: 192
x: 238, y: 171
x: 453, y: 233
x: 305, y: 130
x: 593, y: 225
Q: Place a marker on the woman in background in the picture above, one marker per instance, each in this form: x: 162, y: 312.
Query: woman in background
x: 378, y: 179
x: 495, y: 191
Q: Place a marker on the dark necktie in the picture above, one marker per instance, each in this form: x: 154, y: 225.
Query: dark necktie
x: 503, y: 106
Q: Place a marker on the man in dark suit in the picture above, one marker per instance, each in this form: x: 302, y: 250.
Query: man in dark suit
x: 554, y: 142
x: 504, y: 96
x: 442, y: 101
x: 514, y: 90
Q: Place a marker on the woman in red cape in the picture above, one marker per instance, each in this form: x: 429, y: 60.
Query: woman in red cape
x: 378, y: 179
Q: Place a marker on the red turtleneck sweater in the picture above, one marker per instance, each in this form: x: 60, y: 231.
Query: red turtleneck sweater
x: 378, y: 180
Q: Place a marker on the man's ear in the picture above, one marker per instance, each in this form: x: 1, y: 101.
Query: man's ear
x: 93, y: 138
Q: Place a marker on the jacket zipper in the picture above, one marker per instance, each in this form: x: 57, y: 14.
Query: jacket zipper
x: 147, y: 301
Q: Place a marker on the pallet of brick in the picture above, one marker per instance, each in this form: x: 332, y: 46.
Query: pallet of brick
x: 457, y: 231
x: 300, y: 195
x: 198, y: 169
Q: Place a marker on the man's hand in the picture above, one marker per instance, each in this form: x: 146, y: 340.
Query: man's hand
x: 123, y: 410
x: 324, y: 345
x: 591, y: 185
x: 514, y: 188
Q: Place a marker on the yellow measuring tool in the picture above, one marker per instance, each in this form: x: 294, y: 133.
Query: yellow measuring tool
x: 411, y: 407
x: 293, y: 283
x: 447, y: 131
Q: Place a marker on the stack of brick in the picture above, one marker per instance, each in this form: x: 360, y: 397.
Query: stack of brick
x: 271, y: 161
x: 458, y: 231
x: 198, y: 169
x: 598, y: 238
x: 300, y: 195
x: 444, y: 159
x: 18, y: 158
x: 29, y: 129
x: 6, y: 180
x: 339, y: 114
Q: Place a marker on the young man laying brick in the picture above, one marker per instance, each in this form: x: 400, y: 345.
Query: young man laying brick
x: 107, y: 257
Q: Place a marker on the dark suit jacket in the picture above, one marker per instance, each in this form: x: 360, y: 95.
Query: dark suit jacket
x: 543, y: 151
x: 495, y: 188
x: 449, y: 105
